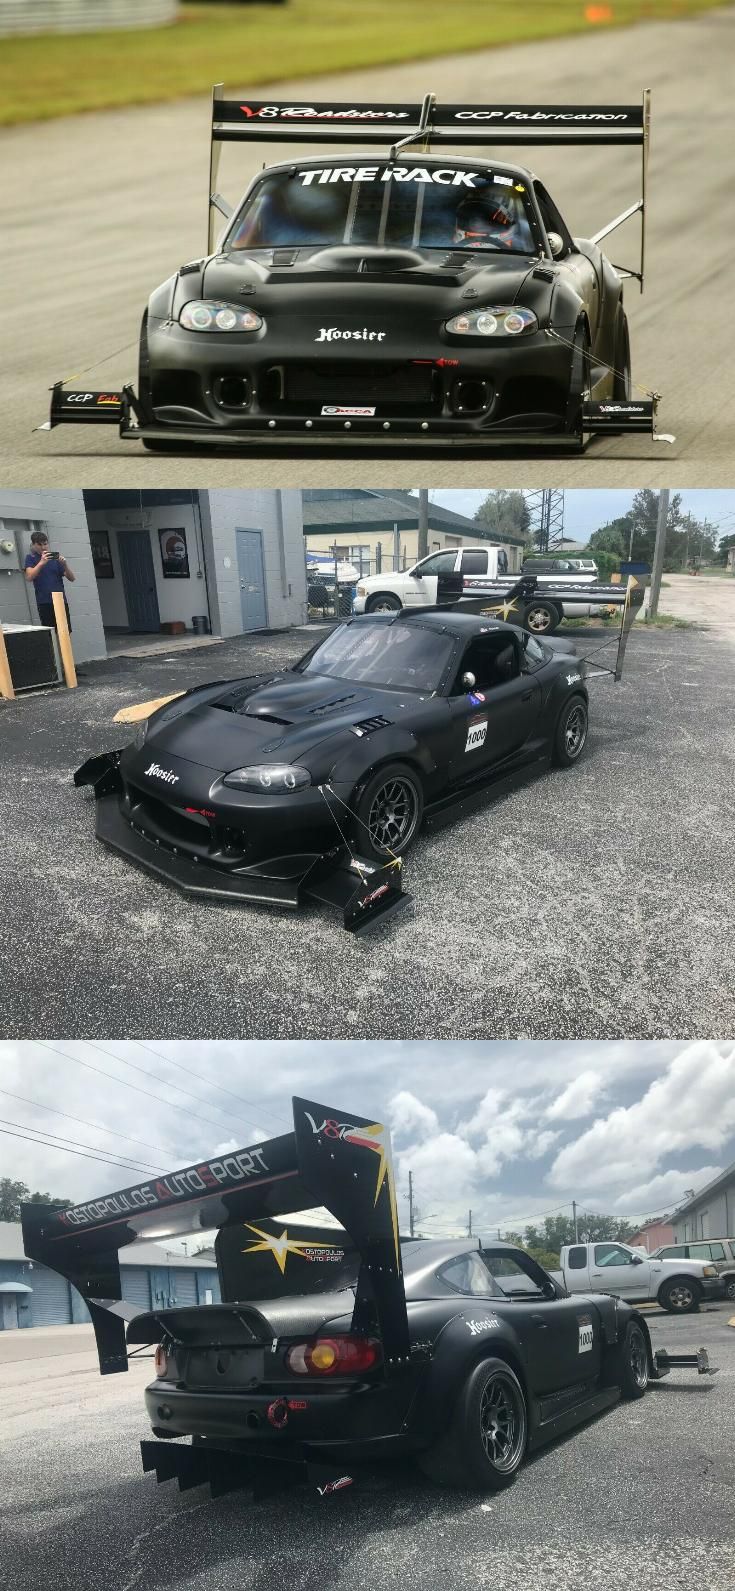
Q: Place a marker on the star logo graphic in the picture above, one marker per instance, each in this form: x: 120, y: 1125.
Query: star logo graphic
x: 375, y: 1137
x: 281, y: 1247
x: 504, y: 609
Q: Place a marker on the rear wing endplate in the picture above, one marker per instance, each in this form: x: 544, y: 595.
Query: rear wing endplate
x: 427, y: 124
x: 331, y: 1159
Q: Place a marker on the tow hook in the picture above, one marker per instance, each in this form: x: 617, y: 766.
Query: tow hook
x: 278, y: 1413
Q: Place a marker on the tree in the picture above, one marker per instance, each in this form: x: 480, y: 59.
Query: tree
x: 13, y: 1194
x: 504, y: 513
x: 725, y: 544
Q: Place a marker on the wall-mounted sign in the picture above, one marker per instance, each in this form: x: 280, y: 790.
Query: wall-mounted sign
x: 174, y: 556
x: 101, y: 555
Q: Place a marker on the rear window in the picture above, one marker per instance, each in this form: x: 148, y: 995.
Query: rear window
x: 401, y: 205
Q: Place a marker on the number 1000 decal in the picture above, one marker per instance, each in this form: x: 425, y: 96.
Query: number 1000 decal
x: 476, y: 733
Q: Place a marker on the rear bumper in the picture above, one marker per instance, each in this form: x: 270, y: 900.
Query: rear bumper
x: 262, y: 1422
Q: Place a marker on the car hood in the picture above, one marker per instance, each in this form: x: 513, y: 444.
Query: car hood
x: 282, y: 716
x: 440, y: 279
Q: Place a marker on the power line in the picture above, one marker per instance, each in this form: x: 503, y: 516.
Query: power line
x: 80, y: 1153
x: 175, y: 1086
x: 133, y: 1165
x: 81, y: 1122
x: 220, y: 1086
x: 43, y: 1043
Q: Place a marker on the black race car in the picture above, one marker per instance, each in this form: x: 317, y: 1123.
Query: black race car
x: 315, y: 780
x: 380, y: 297
x: 339, y: 1345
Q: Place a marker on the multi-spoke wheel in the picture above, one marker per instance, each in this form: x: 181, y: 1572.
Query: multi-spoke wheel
x: 541, y: 617
x: 384, y: 602
x: 571, y: 732
x: 486, y: 1439
x: 388, y: 812
x: 680, y: 1296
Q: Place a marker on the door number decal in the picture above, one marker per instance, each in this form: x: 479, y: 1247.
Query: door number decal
x: 476, y: 733
x: 586, y: 1338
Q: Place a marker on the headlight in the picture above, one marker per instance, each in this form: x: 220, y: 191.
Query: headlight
x: 362, y: 591
x: 141, y: 730
x: 710, y: 1270
x: 270, y: 777
x: 208, y: 314
x: 501, y: 321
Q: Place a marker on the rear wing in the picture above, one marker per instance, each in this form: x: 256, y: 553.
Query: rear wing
x: 331, y: 1159
x: 427, y: 125
x: 507, y: 601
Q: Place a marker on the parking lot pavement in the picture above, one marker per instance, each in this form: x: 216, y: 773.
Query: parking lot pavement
x: 642, y: 1496
x: 709, y: 599
x: 591, y: 903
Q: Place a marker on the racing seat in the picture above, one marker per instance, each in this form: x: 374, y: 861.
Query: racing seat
x: 493, y: 661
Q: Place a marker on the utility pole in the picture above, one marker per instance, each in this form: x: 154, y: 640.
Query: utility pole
x: 658, y: 552
x: 423, y: 522
x: 410, y: 1203
x: 574, y: 1213
x: 469, y: 1224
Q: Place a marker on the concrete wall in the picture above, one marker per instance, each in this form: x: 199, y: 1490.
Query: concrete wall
x: 177, y: 599
x: 709, y: 1217
x: 62, y: 515
x: 83, y: 16
x: 223, y: 512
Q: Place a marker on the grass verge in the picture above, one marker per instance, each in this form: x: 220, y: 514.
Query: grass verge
x: 49, y: 75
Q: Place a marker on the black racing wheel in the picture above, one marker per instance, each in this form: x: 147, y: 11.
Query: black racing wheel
x: 571, y: 732
x: 486, y: 1440
x: 389, y: 811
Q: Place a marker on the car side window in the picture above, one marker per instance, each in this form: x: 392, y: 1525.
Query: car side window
x: 492, y: 659
x: 534, y: 654
x: 678, y: 1252
x: 474, y: 562
x: 576, y: 1259
x: 438, y: 563
x: 552, y: 217
x: 716, y: 1251
x: 612, y: 1254
x: 470, y: 1276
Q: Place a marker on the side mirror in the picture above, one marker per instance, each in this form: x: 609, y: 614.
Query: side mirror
x: 556, y: 244
x: 415, y: 574
x: 468, y: 681
x: 637, y: 1259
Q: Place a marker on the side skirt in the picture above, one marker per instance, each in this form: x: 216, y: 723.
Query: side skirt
x: 566, y: 1420
x: 464, y: 799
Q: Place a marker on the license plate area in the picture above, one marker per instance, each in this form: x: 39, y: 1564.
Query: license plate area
x: 215, y: 1369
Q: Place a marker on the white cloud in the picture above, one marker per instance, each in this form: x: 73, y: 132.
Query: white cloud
x: 410, y: 1118
x: 691, y: 1105
x: 665, y: 1191
x: 577, y: 1099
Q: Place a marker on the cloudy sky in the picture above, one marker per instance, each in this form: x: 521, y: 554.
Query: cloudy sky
x: 511, y: 1131
x: 585, y: 510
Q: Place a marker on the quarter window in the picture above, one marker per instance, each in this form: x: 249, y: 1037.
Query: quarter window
x: 469, y: 1275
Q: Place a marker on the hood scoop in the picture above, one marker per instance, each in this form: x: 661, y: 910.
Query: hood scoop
x: 330, y: 707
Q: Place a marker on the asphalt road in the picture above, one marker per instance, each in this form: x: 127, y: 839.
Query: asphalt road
x: 592, y: 903
x: 100, y: 208
x: 642, y: 1496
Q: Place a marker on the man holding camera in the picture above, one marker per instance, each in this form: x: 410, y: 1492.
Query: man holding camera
x: 47, y: 572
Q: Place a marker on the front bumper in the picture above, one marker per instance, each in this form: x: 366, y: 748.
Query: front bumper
x: 365, y: 893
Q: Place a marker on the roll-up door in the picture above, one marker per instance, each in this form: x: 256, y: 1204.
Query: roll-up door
x: 184, y: 1287
x: 50, y: 1300
x: 136, y: 1287
x: 208, y: 1282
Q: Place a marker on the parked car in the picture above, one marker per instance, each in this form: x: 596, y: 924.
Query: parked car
x: 718, y: 1251
x: 416, y: 587
x: 679, y: 1285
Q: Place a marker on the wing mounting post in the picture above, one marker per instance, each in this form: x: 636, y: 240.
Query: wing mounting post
x: 420, y: 134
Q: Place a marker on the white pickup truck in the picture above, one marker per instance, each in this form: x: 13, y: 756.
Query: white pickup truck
x: 417, y: 587
x: 678, y: 1285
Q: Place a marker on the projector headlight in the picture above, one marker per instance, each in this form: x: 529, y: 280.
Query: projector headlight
x: 268, y: 778
x: 499, y: 321
x: 208, y: 314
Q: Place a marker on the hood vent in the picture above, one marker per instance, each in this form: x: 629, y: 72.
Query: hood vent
x: 368, y: 726
x: 285, y: 256
x: 268, y: 718
x: 329, y: 707
x: 456, y: 261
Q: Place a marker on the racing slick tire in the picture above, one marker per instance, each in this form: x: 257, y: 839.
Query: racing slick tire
x: 383, y: 602
x: 389, y: 810
x: 485, y: 1442
x: 570, y: 736
x: 629, y: 1363
x: 680, y: 1295
x: 621, y: 359
x: 541, y: 617
x: 579, y: 379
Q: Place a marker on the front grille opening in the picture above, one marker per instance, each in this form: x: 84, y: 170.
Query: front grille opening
x: 410, y: 388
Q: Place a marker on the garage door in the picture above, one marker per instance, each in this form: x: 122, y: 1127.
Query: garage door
x: 184, y: 1287
x: 136, y: 1287
x: 50, y: 1300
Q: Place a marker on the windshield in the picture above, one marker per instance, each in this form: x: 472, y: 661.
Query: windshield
x: 403, y: 656
x: 402, y: 206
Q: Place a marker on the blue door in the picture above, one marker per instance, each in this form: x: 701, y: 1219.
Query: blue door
x: 139, y: 580
x: 252, y: 579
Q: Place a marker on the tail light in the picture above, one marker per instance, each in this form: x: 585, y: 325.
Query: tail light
x: 160, y: 1360
x: 334, y: 1356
